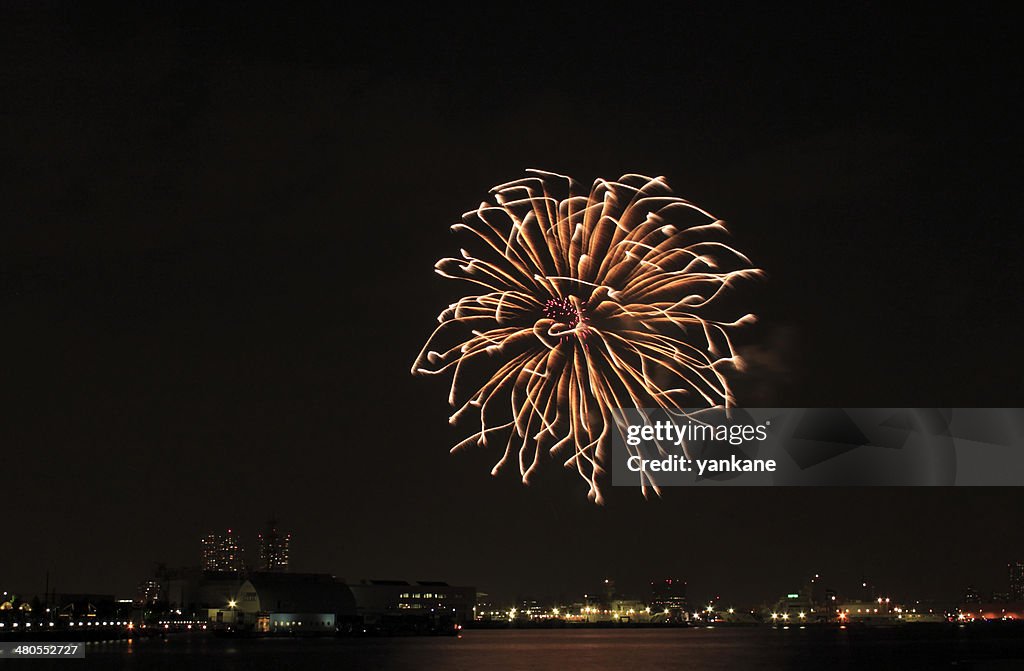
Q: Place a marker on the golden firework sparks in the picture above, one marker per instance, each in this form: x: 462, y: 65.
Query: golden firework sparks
x: 589, y: 303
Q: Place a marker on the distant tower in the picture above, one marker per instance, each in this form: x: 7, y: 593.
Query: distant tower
x: 274, y: 548
x: 1016, y: 576
x: 971, y: 595
x: 608, y: 590
x: 222, y: 552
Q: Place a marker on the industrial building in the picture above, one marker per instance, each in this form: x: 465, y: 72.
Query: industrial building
x: 399, y: 603
x: 312, y: 603
x: 282, y: 603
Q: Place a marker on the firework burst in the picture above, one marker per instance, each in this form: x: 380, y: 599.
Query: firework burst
x: 587, y: 301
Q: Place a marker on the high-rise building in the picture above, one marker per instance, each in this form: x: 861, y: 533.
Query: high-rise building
x: 148, y: 592
x: 222, y: 552
x: 1015, y: 570
x: 274, y: 548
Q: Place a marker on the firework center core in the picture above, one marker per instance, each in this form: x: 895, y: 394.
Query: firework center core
x: 569, y: 311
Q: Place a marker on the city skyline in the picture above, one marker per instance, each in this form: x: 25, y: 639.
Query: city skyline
x: 227, y: 551
x: 224, y: 553
x: 668, y: 594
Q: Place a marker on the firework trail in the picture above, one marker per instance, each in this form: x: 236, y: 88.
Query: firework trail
x: 594, y: 301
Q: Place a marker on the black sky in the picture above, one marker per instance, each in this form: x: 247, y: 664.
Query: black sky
x: 216, y: 268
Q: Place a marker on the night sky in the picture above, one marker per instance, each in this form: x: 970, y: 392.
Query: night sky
x: 216, y: 268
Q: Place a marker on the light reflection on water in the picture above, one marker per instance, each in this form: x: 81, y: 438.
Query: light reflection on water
x: 589, y: 649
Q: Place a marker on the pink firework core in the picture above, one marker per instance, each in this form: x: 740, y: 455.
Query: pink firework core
x: 566, y: 311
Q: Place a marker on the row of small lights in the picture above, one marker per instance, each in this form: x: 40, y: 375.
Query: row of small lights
x: 80, y: 624
x: 130, y: 625
x: 785, y: 616
x: 588, y: 610
x: 844, y: 614
x: 775, y: 616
